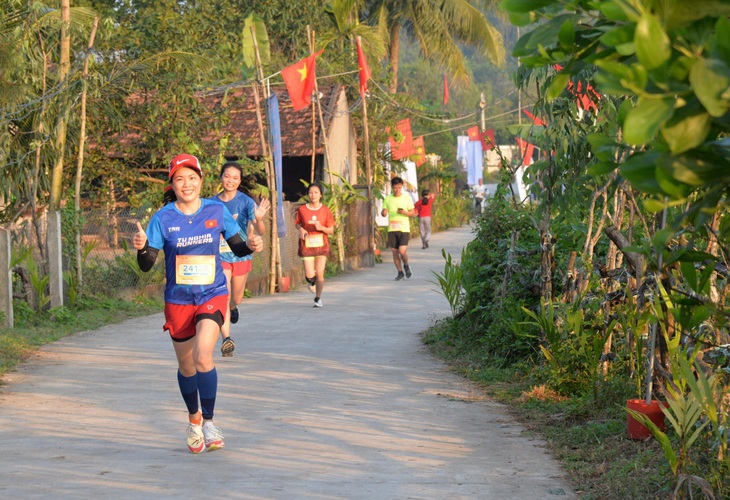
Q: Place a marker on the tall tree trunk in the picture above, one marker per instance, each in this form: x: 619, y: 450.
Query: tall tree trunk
x: 394, y: 49
x: 80, y: 163
x: 40, y: 239
x: 57, y: 173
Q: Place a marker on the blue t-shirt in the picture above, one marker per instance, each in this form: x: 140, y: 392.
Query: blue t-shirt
x: 242, y: 207
x: 190, y: 242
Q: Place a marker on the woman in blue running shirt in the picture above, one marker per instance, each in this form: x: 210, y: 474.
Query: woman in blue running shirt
x: 236, y: 269
x: 188, y: 230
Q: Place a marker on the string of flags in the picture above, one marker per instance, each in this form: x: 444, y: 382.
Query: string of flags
x: 300, y: 77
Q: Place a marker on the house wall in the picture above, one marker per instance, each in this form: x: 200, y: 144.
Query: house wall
x: 342, y: 143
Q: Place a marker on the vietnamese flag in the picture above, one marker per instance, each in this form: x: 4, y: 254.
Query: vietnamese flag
x: 473, y: 133
x: 299, y: 80
x: 362, y: 65
x: 211, y: 223
x: 488, y: 139
x: 403, y: 149
x: 420, y: 148
x: 526, y: 149
x: 446, y: 90
x: 537, y: 121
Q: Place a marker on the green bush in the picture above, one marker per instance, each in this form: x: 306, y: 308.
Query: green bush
x: 123, y: 272
x: 499, y: 280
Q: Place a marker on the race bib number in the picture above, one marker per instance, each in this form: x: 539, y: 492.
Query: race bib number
x: 314, y: 241
x: 396, y: 225
x: 194, y: 269
x: 223, y: 248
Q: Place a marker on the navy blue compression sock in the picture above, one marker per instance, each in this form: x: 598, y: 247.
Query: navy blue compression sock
x: 208, y: 387
x: 189, y: 391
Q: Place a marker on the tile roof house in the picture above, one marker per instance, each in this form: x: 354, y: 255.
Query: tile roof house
x: 296, y: 134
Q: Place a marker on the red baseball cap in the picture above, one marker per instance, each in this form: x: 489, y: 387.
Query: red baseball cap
x: 185, y: 160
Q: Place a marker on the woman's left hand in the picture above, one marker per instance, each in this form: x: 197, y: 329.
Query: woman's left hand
x: 262, y: 208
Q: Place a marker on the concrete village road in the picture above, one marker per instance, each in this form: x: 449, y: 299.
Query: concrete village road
x: 342, y: 401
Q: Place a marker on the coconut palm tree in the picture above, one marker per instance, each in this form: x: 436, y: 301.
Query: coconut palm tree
x: 344, y: 16
x: 439, y: 26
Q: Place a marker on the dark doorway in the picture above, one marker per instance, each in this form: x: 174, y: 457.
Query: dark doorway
x: 294, y: 170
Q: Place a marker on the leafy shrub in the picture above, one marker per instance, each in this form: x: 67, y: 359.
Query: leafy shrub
x: 498, y: 280
x: 122, y: 272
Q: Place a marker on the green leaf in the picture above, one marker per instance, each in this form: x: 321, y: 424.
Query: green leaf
x: 619, y: 35
x: 640, y: 171
x: 654, y: 206
x: 680, y: 67
x: 668, y: 183
x: 545, y: 35
x: 566, y: 36
x: 602, y: 168
x: 695, y: 170
x: 696, y: 256
x: 557, y: 86
x: 524, y: 6
x: 624, y: 108
x: 262, y: 39
x: 687, y: 129
x: 710, y: 79
x: 611, y: 11
x: 652, y: 43
x: 603, y: 147
x: 643, y: 121
x: 689, y: 273
x: 520, y: 19
x: 722, y: 38
x: 660, y: 436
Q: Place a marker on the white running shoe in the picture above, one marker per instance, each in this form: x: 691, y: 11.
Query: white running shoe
x: 213, y: 436
x: 318, y: 302
x: 196, y: 440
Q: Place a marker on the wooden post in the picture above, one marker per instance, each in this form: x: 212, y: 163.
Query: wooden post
x: 274, y: 267
x: 55, y: 258
x: 6, y: 279
x: 321, y: 122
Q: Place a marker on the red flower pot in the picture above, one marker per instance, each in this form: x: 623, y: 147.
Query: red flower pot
x: 637, y: 430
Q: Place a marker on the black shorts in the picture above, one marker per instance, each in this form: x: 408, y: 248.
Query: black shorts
x: 398, y: 239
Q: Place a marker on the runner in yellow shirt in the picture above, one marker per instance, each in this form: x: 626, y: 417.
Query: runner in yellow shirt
x: 398, y: 207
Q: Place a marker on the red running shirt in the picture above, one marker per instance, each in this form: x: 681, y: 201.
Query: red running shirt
x: 424, y: 209
x: 316, y: 242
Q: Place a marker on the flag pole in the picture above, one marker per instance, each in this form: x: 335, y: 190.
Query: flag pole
x: 368, y: 168
x: 314, y: 113
x: 270, y: 177
x: 321, y: 118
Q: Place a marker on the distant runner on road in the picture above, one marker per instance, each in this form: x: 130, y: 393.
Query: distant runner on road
x: 315, y: 224
x: 398, y: 207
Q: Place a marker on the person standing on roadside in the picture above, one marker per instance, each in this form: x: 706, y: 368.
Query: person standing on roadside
x: 398, y: 207
x: 187, y: 230
x: 423, y: 208
x: 245, y: 212
x: 479, y: 191
x: 315, y: 224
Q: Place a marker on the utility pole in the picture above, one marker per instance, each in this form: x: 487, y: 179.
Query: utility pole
x: 483, y: 106
x: 519, y: 91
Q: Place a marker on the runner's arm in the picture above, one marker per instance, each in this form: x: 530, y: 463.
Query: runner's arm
x: 146, y: 257
x: 238, y: 246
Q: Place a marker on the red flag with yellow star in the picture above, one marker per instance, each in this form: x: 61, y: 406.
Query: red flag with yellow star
x: 420, y: 147
x: 363, y: 67
x: 403, y: 148
x: 299, y: 80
